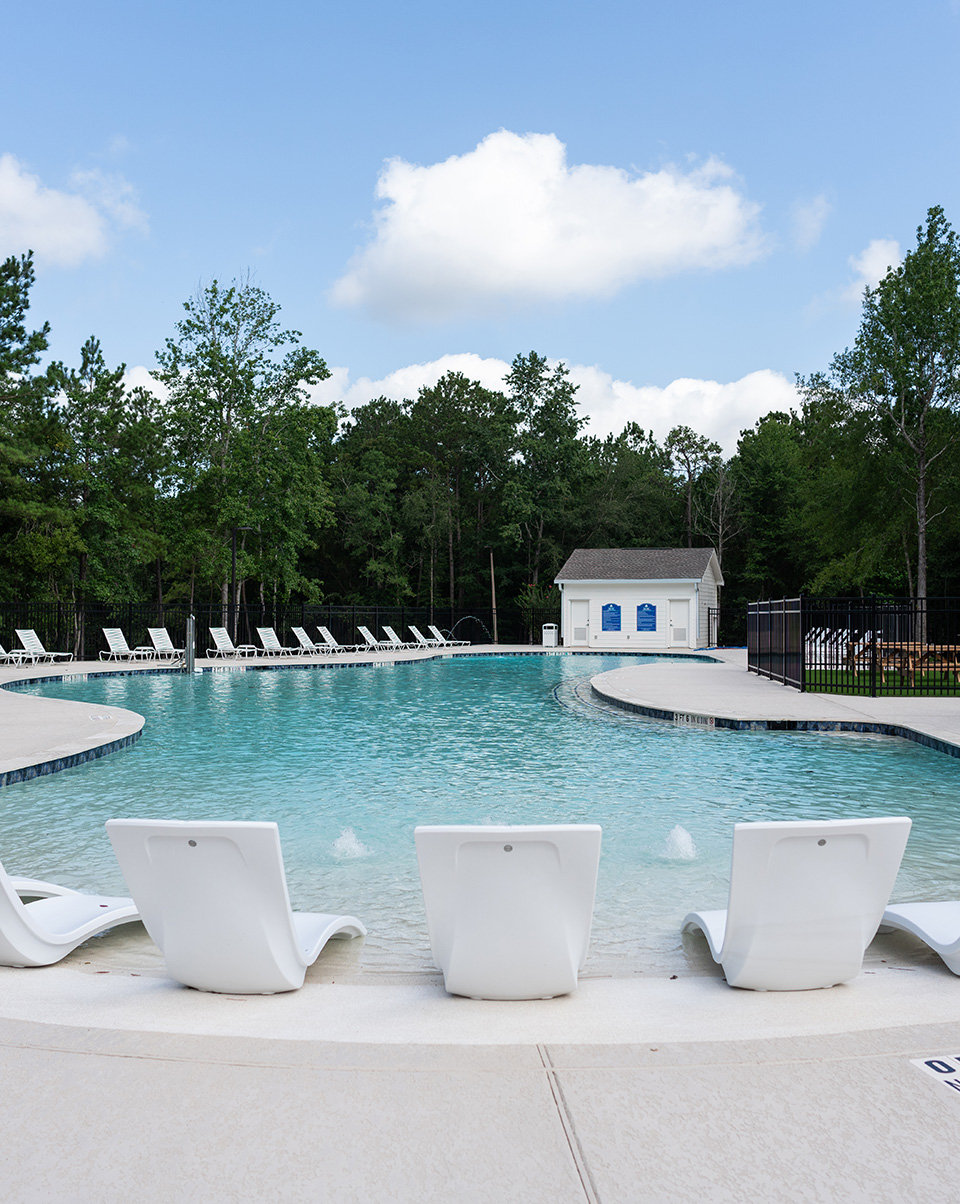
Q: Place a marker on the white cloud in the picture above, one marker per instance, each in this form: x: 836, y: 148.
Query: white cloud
x: 807, y: 220
x: 719, y: 411
x: 140, y: 377
x: 512, y: 223
x: 62, y: 228
x: 871, y: 265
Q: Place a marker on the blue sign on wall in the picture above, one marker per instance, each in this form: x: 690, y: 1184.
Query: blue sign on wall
x: 610, y: 617
x: 646, y: 617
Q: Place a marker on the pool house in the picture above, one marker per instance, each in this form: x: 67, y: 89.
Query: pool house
x: 644, y: 598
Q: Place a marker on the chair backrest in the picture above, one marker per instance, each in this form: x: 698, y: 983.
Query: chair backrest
x: 392, y: 635
x: 418, y: 634
x: 437, y: 633
x: 268, y: 638
x: 21, y: 942
x: 116, y: 641
x: 368, y: 635
x: 161, y: 639
x: 509, y: 908
x: 327, y: 637
x: 222, y: 639
x: 305, y: 641
x: 31, y: 641
x: 806, y: 898
x: 213, y: 896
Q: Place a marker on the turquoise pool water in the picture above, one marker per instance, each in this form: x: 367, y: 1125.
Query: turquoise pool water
x: 348, y: 761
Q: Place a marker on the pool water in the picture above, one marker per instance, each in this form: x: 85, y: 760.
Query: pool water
x: 348, y: 761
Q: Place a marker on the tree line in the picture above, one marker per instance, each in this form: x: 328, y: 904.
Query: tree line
x: 113, y: 493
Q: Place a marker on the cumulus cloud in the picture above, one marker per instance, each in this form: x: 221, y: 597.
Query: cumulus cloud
x: 807, y: 219
x: 719, y: 411
x: 62, y: 228
x: 511, y: 222
x: 871, y: 265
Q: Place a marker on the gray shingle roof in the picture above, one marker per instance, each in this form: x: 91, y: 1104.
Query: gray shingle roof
x: 636, y: 564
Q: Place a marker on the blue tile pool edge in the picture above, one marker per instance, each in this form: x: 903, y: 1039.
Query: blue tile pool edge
x: 781, y: 725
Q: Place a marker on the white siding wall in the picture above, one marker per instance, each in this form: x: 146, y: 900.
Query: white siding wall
x: 629, y: 596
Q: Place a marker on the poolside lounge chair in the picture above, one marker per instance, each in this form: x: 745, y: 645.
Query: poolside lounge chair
x: 31, y: 642
x: 46, y: 930
x: 509, y: 908
x: 307, y: 645
x: 394, y: 639
x: 272, y: 645
x: 120, y: 650
x: 163, y: 644
x: 936, y: 924
x: 421, y: 639
x: 372, y: 643
x: 13, y: 658
x: 332, y: 644
x: 213, y: 896
x: 442, y: 639
x: 225, y: 646
x: 806, y: 898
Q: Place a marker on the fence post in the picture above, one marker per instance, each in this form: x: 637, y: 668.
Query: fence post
x: 873, y: 645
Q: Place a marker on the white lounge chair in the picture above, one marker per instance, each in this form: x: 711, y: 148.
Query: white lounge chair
x: 936, y: 924
x: 806, y: 898
x: 421, y: 639
x: 394, y: 639
x: 213, y: 896
x: 442, y: 639
x: 163, y: 644
x: 272, y: 646
x: 226, y: 647
x: 46, y: 930
x: 307, y: 645
x: 120, y: 650
x: 13, y: 658
x: 509, y: 908
x: 31, y: 642
x: 371, y: 641
x: 331, y: 643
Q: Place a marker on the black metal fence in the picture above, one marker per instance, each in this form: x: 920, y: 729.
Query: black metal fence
x: 78, y: 629
x: 869, y: 646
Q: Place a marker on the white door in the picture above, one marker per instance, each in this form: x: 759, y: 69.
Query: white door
x: 679, y: 636
x: 579, y: 622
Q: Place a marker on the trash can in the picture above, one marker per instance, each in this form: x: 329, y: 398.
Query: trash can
x: 549, y: 635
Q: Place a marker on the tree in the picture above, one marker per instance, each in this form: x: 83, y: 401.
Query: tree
x: 904, y: 367
x: 249, y: 446
x: 691, y: 454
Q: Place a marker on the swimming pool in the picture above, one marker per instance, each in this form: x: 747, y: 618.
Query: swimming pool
x: 349, y: 761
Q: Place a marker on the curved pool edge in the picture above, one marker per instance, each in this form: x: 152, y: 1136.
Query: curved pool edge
x: 725, y: 695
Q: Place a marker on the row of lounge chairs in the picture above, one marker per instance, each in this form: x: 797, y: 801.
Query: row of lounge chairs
x: 270, y: 644
x: 509, y: 908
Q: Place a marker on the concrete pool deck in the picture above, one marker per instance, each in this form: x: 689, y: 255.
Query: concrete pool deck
x: 121, y: 1085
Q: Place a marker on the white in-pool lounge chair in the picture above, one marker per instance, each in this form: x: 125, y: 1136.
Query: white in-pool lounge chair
x: 272, y: 645
x: 213, y: 896
x: 31, y: 642
x: 442, y: 639
x: 372, y: 644
x: 936, y: 924
x: 509, y: 908
x: 226, y: 647
x: 14, y: 658
x: 331, y: 643
x: 120, y: 650
x: 806, y: 898
x: 46, y: 930
x: 421, y: 639
x: 395, y: 640
x: 307, y: 645
x: 163, y: 644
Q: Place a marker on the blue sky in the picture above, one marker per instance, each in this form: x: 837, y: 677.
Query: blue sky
x: 652, y: 193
